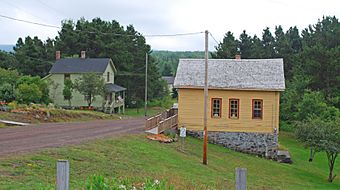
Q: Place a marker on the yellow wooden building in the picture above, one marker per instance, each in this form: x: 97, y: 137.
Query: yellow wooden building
x: 243, y: 101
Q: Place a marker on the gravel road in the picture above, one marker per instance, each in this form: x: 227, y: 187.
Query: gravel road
x: 34, y: 137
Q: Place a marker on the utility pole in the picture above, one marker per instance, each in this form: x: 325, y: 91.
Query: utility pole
x: 205, y: 132
x: 146, y: 84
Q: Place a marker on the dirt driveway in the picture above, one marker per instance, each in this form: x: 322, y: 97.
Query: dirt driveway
x: 34, y: 137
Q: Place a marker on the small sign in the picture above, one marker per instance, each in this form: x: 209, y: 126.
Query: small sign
x: 182, y: 132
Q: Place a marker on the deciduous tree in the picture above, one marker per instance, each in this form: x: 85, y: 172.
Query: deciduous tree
x: 320, y: 135
x: 90, y: 85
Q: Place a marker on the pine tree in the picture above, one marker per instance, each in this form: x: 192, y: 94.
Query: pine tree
x: 228, y: 48
x: 167, y: 71
x: 246, y: 45
x: 268, y: 42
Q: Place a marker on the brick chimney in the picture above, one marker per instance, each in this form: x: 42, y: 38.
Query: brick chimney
x: 238, y: 56
x: 57, y: 55
x: 82, y: 55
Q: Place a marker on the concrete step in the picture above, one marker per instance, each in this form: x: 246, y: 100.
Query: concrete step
x: 283, y: 156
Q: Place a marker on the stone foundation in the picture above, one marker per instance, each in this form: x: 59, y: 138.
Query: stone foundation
x: 262, y: 144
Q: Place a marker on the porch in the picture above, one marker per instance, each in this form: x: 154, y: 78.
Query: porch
x: 114, y: 99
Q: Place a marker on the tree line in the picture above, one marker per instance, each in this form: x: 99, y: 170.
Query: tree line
x: 124, y: 45
x: 167, y: 61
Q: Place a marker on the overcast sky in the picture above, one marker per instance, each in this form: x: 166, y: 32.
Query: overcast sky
x: 166, y: 17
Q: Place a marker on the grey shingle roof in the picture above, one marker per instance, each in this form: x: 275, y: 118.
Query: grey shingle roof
x: 169, y: 79
x: 78, y: 65
x: 256, y: 74
x: 114, y: 88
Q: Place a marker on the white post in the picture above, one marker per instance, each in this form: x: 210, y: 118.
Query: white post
x: 63, y: 175
x: 241, y: 178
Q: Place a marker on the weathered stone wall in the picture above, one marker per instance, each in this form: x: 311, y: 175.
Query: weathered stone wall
x: 263, y: 144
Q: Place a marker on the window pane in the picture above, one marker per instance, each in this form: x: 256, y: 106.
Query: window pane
x: 257, y: 109
x: 233, y: 108
x: 216, y: 108
x: 67, y: 77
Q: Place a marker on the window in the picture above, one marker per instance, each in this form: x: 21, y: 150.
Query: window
x: 257, y: 109
x: 234, y: 108
x: 108, y: 77
x: 216, y: 104
x: 86, y: 97
x: 67, y: 77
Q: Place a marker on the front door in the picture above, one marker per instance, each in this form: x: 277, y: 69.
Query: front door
x: 109, y: 97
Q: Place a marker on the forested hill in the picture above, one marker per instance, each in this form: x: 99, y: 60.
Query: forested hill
x: 6, y: 48
x: 167, y: 61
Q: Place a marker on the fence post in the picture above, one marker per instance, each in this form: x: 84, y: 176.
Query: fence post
x: 241, y: 178
x: 63, y: 175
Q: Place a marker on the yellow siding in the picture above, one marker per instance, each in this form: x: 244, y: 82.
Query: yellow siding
x: 190, y: 110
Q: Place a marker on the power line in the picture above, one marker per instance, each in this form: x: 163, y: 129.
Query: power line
x: 104, y: 33
x: 240, y: 65
x: 33, y: 58
x: 30, y: 22
x: 171, y: 35
x: 19, y: 8
x: 52, y: 8
x: 214, y: 38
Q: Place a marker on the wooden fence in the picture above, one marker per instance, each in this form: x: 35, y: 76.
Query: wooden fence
x: 163, y: 121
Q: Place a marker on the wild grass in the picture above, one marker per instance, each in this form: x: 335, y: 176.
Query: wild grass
x: 136, y: 158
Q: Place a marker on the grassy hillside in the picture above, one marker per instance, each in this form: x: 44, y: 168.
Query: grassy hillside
x: 56, y: 115
x: 30, y: 115
x: 135, y: 157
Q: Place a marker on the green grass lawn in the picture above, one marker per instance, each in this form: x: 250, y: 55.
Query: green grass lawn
x: 151, y: 111
x: 136, y: 158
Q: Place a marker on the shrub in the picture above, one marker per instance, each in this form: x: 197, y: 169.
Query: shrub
x: 7, y: 92
x: 32, y: 90
x: 98, y: 182
x: 284, y: 126
x: 165, y: 102
x: 13, y: 105
x: 28, y: 93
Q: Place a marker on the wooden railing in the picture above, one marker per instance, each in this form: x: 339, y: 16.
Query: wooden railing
x: 168, y: 123
x: 165, y: 120
x: 152, y: 122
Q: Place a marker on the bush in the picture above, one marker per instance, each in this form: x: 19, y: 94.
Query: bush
x: 32, y: 90
x: 13, y: 105
x: 98, y: 182
x: 28, y: 93
x: 284, y: 126
x: 165, y: 102
x: 313, y: 104
x: 7, y: 92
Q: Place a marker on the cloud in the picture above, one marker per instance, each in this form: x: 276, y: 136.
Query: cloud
x: 167, y: 17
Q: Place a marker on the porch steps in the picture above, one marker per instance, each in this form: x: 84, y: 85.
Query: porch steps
x: 152, y: 131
